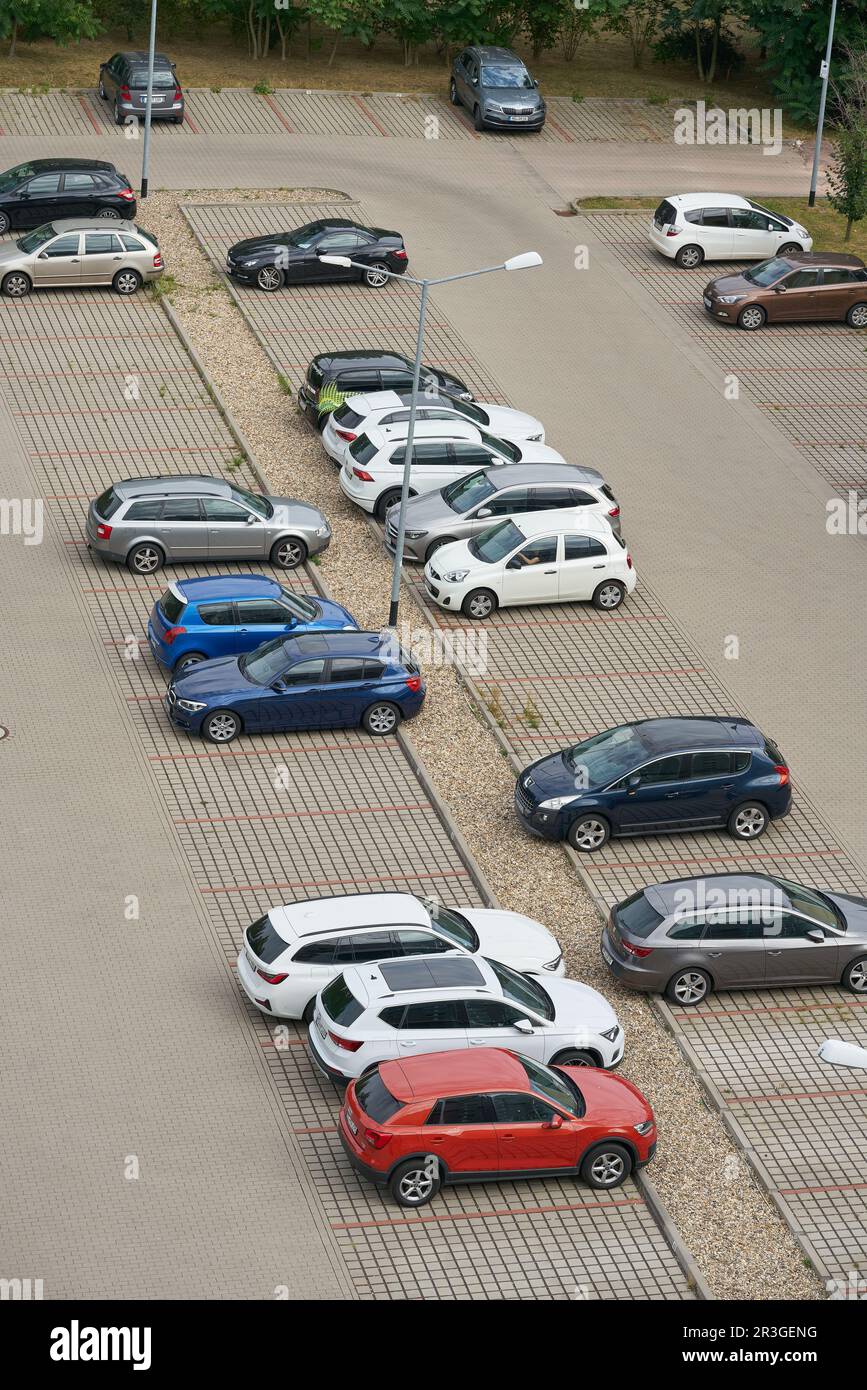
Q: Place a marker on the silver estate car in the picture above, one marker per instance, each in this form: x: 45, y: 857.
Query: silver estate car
x: 146, y: 522
x: 735, y: 931
x: 75, y: 251
x: 463, y: 508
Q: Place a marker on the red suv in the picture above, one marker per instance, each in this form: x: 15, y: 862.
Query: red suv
x: 446, y: 1117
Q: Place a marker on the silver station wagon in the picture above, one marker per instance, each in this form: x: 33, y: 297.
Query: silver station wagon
x: 75, y: 251
x: 144, y: 522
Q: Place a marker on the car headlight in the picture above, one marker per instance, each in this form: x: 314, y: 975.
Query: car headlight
x: 612, y: 1034
x: 323, y: 530
x: 800, y: 231
x: 253, y: 262
x: 192, y: 705
x: 553, y: 964
x: 644, y: 1128
x: 413, y: 535
x: 555, y: 803
x: 535, y: 438
x: 494, y: 106
x: 730, y: 298
x: 455, y: 576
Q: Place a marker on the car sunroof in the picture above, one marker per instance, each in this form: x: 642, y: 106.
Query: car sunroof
x: 428, y: 974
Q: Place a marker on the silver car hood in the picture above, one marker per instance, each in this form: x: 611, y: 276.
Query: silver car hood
x: 426, y: 509
x: 288, y: 511
x: 10, y: 254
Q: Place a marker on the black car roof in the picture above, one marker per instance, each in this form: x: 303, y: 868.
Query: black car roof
x: 697, y: 731
x: 353, y: 357
x: 41, y: 166
x: 139, y: 56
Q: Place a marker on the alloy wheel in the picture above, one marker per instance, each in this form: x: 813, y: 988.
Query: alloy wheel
x: 416, y: 1186
x: 690, y: 257
x: 376, y: 276
x: 126, y: 282
x: 690, y: 987
x: 16, y: 286
x: 480, y: 606
x: 109, y: 214
x: 752, y: 318
x: 589, y: 834
x: 381, y: 719
x: 269, y: 278
x: 222, y: 727
x: 858, y: 316
x: 608, y: 1168
x: 609, y: 596
x: 858, y: 977
x: 146, y: 560
x: 749, y: 822
x: 289, y: 555
x: 4, y: 223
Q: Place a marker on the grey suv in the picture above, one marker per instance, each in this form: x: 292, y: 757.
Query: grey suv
x: 735, y: 931
x: 463, y: 508
x: 496, y: 88
x: 144, y: 522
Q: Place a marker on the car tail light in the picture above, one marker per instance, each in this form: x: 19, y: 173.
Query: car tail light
x: 124, y: 94
x: 640, y: 951
x: 628, y: 560
x: 346, y: 434
x: 364, y: 476
x: 413, y: 683
x: 178, y: 94
x: 345, y: 1043
x: 271, y: 979
x: 783, y: 773
x: 126, y: 193
x: 671, y: 230
x: 377, y: 1138
x: 615, y: 511
x: 103, y: 531
x: 399, y: 255
x: 158, y: 261
x: 171, y: 633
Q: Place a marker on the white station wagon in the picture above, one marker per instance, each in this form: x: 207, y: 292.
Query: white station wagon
x: 359, y: 413
x: 543, y: 557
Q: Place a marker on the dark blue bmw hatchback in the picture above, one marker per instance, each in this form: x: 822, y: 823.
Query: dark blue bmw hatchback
x: 655, y: 777
x: 318, y: 681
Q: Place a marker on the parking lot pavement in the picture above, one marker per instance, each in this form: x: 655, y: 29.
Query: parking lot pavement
x: 243, y: 1186
x: 557, y: 674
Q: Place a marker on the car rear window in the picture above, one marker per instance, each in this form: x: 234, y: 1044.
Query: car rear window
x: 375, y: 1098
x: 314, y: 376
x: 148, y: 236
x: 344, y: 416
x: 163, y: 78
x: 773, y: 752
x: 266, y: 943
x: 108, y: 503
x: 171, y: 606
x: 636, y: 916
x: 340, y: 1003
x: 665, y: 214
x: 362, y: 450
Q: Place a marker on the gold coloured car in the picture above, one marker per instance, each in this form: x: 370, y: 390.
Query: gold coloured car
x: 80, y: 251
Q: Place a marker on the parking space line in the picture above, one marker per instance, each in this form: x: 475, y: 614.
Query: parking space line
x: 414, y: 806
x: 332, y: 882
x: 443, y: 1218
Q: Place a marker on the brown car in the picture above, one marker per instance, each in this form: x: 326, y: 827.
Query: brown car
x: 813, y: 285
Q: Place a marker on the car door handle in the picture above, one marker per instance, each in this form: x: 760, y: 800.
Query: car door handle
x: 405, y: 1044
x: 669, y: 796
x: 510, y: 1135
x: 242, y: 629
x: 727, y: 786
x: 549, y: 571
x: 478, y: 1042
x: 715, y: 954
x: 436, y: 1139
x: 775, y: 953
x: 117, y: 258
x: 599, y: 567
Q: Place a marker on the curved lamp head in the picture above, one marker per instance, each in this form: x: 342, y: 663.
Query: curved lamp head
x: 522, y: 262
x: 843, y: 1054
x: 336, y: 260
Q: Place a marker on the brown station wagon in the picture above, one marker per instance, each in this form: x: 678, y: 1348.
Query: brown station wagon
x: 789, y: 289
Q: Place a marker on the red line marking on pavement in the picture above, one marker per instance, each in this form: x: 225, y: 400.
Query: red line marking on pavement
x: 316, y: 1129
x: 723, y: 859
x: 173, y: 407
x: 377, y: 745
x: 365, y: 111
x: 793, y: 1095
x: 89, y: 114
x: 81, y: 544
x: 330, y: 882
x: 561, y: 131
x: 188, y: 120
x: 74, y: 337
x: 487, y: 1215
x: 508, y: 622
x: 64, y: 496
x: 829, y: 1187
x: 140, y: 448
x: 143, y: 699
x: 772, y: 1009
x: 595, y: 675
x: 278, y: 113
x: 124, y: 589
x: 110, y: 371
x: 295, y: 815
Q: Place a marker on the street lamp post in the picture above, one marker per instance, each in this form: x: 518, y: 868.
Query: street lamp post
x: 145, y: 158
x: 825, y: 73
x: 521, y: 262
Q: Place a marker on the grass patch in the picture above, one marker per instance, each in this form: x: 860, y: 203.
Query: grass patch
x: 164, y: 287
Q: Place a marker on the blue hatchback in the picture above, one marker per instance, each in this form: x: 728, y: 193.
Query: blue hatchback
x: 320, y: 681
x: 654, y: 777
x: 198, y: 619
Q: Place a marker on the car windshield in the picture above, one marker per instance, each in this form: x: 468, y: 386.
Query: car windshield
x: 506, y: 75
x: 266, y: 663
x: 768, y: 273
x: 502, y: 446
x: 605, y: 757
x: 553, y: 1087
x: 260, y: 505
x: 452, y: 925
x: 300, y: 605
x: 521, y: 990
x: 303, y: 237
x: 472, y: 412
x: 14, y: 176
x: 467, y: 492
x: 757, y: 207
x: 812, y: 904
x: 36, y: 238
x: 496, y: 542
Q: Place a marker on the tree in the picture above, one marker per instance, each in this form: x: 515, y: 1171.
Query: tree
x: 578, y: 24
x: 637, y: 19
x: 61, y: 20
x: 847, y: 175
x: 542, y: 20
x: 793, y: 34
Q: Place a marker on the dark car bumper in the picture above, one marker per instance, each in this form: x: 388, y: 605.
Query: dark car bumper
x: 726, y: 313
x: 183, y: 719
x: 635, y: 975
x: 245, y: 274
x: 643, y: 1162
x: 310, y: 409
x: 494, y: 122
x: 363, y: 1169
x: 547, y: 825
x: 168, y: 112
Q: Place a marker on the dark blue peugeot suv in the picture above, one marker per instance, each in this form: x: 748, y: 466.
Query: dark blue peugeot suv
x: 656, y: 776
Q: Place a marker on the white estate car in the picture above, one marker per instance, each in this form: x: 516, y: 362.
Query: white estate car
x: 543, y: 557
x: 693, y: 227
x: 357, y: 413
x: 443, y: 451
x: 292, y: 952
x: 401, y: 1008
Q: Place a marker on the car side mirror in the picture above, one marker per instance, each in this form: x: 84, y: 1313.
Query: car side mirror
x: 475, y: 81
x: 634, y: 782
x: 514, y: 564
x: 779, y: 289
x: 483, y: 512
x: 555, y: 1122
x: 815, y: 935
x: 279, y: 687
x: 523, y: 1025
x: 251, y: 520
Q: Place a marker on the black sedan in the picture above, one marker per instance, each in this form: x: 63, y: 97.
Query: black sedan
x: 43, y: 190
x: 291, y: 258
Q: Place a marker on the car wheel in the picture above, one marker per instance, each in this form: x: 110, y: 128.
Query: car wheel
x: 688, y: 257
x: 119, y: 118
x: 478, y: 604
x: 4, y: 223
x: 185, y: 662
x: 381, y: 718
x: 855, y: 976
x: 145, y: 559
x: 126, y: 281
x: 289, y: 553
x: 688, y: 987
x: 575, y: 1057
x: 415, y: 1182
x: 752, y: 317
x: 110, y: 214
x: 101, y: 90
x: 16, y: 284
x: 222, y: 726
x: 609, y: 595
x: 269, y: 278
x: 453, y: 94
x: 477, y: 118
x: 748, y: 821
x: 606, y: 1166
x: 857, y: 316
x: 376, y: 276
x: 437, y: 545
x: 791, y: 248
x: 385, y: 503
x: 588, y: 833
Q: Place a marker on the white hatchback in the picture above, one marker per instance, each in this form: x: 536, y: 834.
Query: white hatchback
x: 292, y: 952
x: 358, y: 413
x: 693, y: 227
x: 543, y: 557
x: 402, y: 1008
x: 442, y: 452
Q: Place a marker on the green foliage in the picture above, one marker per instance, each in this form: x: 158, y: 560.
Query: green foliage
x: 61, y: 20
x: 793, y: 34
x: 847, y: 175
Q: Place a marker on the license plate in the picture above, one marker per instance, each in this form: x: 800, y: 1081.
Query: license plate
x: 707, y: 302
x: 520, y: 118
x: 323, y: 1031
x: 350, y: 1123
x: 607, y: 957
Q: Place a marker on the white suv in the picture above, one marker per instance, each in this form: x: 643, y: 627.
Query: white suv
x: 358, y: 413
x: 442, y: 451
x: 292, y: 952
x: 402, y: 1008
x: 693, y: 227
